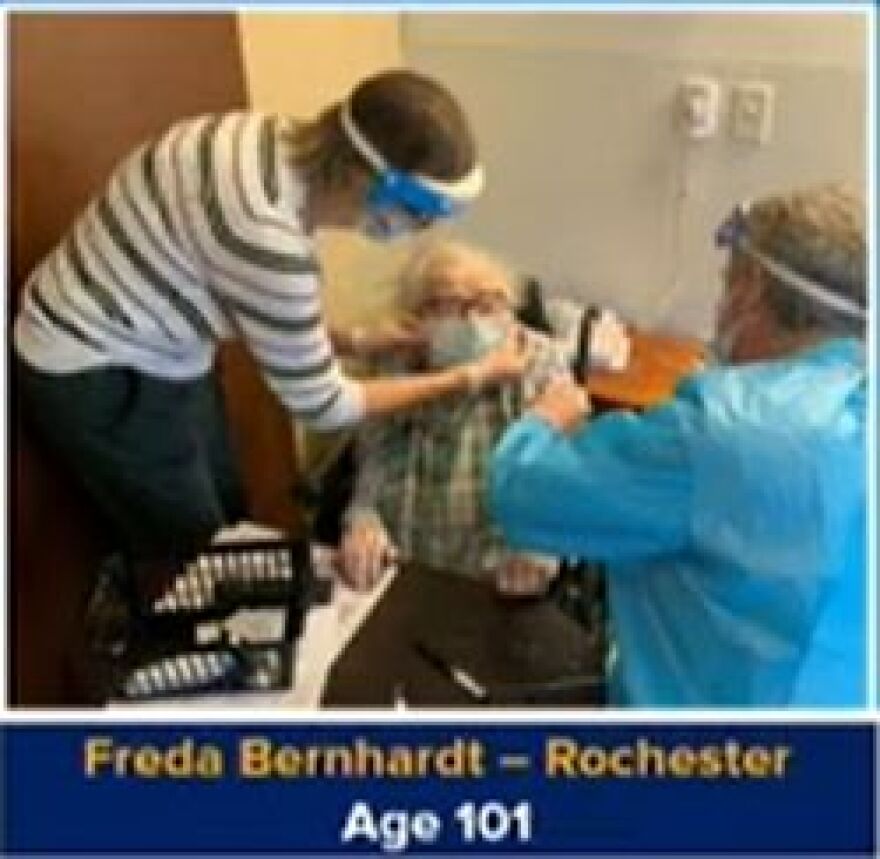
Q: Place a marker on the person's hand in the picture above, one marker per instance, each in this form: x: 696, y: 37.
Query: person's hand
x: 525, y: 575
x: 508, y: 362
x: 563, y: 404
x: 363, y: 555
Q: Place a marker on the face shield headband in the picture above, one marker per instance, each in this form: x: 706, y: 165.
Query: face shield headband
x: 423, y: 198
x: 734, y: 234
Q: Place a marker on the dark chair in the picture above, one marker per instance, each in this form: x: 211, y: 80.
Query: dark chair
x: 532, y: 311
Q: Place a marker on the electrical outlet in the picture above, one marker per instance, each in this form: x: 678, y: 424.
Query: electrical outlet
x: 753, y: 104
x: 698, y: 107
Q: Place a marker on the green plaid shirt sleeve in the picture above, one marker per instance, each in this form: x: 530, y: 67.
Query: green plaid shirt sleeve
x: 370, y: 443
x: 422, y: 474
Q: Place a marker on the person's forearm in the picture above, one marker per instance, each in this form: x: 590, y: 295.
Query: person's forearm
x: 619, y: 491
x: 386, y: 396
x: 505, y: 363
x: 346, y: 343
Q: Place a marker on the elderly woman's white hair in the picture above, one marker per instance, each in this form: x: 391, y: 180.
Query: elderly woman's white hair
x: 428, y: 262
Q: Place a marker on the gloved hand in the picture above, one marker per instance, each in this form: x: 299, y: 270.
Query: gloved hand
x: 610, y: 343
x: 365, y: 551
x: 523, y: 575
x: 562, y: 404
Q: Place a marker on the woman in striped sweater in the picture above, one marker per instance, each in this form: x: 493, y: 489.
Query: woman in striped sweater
x: 206, y: 233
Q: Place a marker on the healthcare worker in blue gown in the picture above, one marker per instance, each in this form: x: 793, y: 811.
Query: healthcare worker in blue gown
x: 732, y: 519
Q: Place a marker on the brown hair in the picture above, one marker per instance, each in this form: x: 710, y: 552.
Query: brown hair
x: 413, y: 121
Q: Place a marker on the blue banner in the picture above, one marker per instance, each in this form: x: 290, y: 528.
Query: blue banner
x: 444, y: 788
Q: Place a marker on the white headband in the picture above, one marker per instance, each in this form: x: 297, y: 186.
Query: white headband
x: 799, y: 283
x: 461, y: 190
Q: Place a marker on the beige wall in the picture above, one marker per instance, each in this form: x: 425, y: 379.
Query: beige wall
x: 297, y: 63
x: 590, y: 186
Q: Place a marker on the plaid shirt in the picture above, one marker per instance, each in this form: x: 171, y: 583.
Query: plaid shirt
x: 422, y: 474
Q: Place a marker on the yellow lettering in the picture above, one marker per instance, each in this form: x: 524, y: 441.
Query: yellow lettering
x: 477, y: 759
x: 733, y: 755
x: 757, y: 762
x: 448, y: 760
x: 561, y: 758
x: 147, y: 762
x: 288, y: 762
x: 179, y: 759
x: 399, y: 763
x: 622, y: 761
x: 97, y: 754
x: 681, y: 761
x: 254, y: 757
x: 710, y: 762
x: 651, y: 758
x: 780, y: 760
x: 593, y: 762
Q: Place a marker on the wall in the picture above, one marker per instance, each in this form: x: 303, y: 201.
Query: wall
x: 590, y: 185
x: 298, y: 63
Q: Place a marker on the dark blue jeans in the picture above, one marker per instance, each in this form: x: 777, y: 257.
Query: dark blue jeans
x: 153, y: 454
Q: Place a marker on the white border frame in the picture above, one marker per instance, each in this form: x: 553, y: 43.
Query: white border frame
x: 172, y: 716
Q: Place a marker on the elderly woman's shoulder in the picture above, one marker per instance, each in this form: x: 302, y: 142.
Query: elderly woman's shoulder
x: 538, y: 339
x: 547, y: 355
x: 542, y: 344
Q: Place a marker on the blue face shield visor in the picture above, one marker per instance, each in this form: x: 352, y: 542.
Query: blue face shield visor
x: 733, y: 234
x: 422, y: 199
x: 734, y: 229
x: 394, y: 189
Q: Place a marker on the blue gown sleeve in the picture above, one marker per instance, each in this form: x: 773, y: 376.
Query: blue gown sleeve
x: 618, y: 490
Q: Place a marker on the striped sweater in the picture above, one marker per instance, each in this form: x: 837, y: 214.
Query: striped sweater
x: 197, y: 237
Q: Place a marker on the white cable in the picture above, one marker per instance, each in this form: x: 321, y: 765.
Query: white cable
x: 676, y: 281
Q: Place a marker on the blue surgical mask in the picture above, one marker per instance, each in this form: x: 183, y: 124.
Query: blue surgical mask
x: 720, y: 348
x: 386, y: 223
x: 458, y: 341
x: 729, y: 330
x: 385, y: 226
x: 723, y: 342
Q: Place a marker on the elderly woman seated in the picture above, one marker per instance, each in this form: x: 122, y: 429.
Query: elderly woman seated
x: 419, y: 492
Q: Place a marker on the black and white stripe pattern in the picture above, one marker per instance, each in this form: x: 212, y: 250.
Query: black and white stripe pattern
x: 196, y: 237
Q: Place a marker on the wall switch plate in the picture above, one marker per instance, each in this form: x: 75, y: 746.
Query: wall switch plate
x: 753, y: 104
x: 697, y: 107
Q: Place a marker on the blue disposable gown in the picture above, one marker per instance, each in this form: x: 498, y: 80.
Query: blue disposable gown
x: 732, y: 521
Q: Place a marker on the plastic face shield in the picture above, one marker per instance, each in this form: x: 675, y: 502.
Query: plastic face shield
x: 420, y: 199
x: 733, y: 233
x: 393, y: 189
x: 733, y: 230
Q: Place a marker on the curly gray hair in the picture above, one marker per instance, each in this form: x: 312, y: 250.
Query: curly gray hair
x: 819, y: 234
x: 430, y: 265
